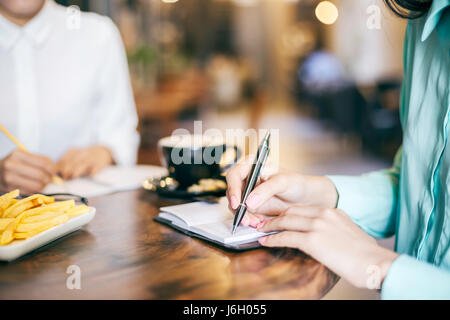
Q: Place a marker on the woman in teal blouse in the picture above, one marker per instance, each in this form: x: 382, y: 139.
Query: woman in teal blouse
x: 335, y: 218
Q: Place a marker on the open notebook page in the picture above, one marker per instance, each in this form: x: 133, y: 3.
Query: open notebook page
x: 197, y: 213
x: 109, y: 180
x: 210, y: 220
x: 82, y: 186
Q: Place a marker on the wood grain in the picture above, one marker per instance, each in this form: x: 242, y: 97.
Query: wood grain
x: 124, y: 254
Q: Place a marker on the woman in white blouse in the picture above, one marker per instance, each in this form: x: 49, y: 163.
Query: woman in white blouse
x: 65, y: 94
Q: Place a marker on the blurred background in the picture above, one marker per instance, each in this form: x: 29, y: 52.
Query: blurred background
x: 326, y: 74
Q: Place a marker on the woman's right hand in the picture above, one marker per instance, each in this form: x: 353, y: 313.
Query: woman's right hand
x: 274, y: 193
x: 28, y: 172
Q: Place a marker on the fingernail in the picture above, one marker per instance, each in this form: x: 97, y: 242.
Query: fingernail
x: 234, y: 202
x: 261, y: 224
x: 262, y: 240
x: 253, y: 201
x: 254, y: 223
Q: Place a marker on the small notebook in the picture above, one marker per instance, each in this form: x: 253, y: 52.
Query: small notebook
x: 211, y: 222
x: 109, y: 180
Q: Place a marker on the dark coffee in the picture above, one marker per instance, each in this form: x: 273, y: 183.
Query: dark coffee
x: 190, y: 158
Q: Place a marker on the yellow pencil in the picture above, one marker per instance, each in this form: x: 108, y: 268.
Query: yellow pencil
x: 56, y: 179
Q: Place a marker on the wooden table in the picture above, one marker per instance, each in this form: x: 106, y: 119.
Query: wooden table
x: 124, y: 254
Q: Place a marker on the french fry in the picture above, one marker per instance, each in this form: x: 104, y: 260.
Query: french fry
x: 41, y: 217
x: 30, y: 227
x: 53, y: 207
x: 12, y: 202
x: 25, y: 204
x: 4, y: 223
x: 21, y: 219
x: 78, y: 211
x: 26, y: 235
x: 61, y: 205
x: 8, y: 233
x: 6, y: 199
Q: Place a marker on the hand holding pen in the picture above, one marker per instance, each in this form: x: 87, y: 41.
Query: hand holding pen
x: 261, y: 157
x: 275, y: 193
x: 25, y: 169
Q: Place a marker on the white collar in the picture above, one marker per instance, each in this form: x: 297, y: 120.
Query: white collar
x: 37, y: 29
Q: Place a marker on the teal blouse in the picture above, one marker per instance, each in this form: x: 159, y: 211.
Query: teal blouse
x: 412, y: 200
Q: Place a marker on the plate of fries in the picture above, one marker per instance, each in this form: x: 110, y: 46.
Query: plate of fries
x: 29, y: 223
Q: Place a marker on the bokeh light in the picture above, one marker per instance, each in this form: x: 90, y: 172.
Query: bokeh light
x: 327, y: 12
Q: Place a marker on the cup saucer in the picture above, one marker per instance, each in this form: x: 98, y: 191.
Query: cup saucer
x: 168, y: 187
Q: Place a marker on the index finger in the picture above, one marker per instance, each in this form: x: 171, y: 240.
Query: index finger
x: 235, y: 179
x: 38, y: 161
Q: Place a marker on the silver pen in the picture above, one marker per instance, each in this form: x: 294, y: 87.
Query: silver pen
x: 261, y: 157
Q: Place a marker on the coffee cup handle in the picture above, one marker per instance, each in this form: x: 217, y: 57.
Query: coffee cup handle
x: 237, y: 153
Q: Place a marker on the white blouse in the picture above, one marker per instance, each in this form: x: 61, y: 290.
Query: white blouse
x: 65, y: 84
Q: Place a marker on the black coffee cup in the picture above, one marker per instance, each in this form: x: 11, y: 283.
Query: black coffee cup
x: 190, y: 158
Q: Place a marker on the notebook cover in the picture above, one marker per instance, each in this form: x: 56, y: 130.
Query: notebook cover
x: 229, y: 246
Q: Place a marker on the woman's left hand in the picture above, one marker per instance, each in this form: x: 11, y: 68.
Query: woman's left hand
x: 84, y: 162
x: 332, y: 238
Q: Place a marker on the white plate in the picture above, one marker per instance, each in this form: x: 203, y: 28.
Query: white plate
x: 18, y: 248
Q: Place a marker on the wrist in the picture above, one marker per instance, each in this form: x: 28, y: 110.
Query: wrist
x: 103, y: 153
x: 319, y: 191
x: 378, y: 270
x: 332, y: 195
x: 387, y: 259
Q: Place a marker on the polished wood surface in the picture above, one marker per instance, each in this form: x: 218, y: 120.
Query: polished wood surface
x: 124, y: 254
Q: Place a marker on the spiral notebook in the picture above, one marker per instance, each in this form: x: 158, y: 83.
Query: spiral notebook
x: 211, y: 222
